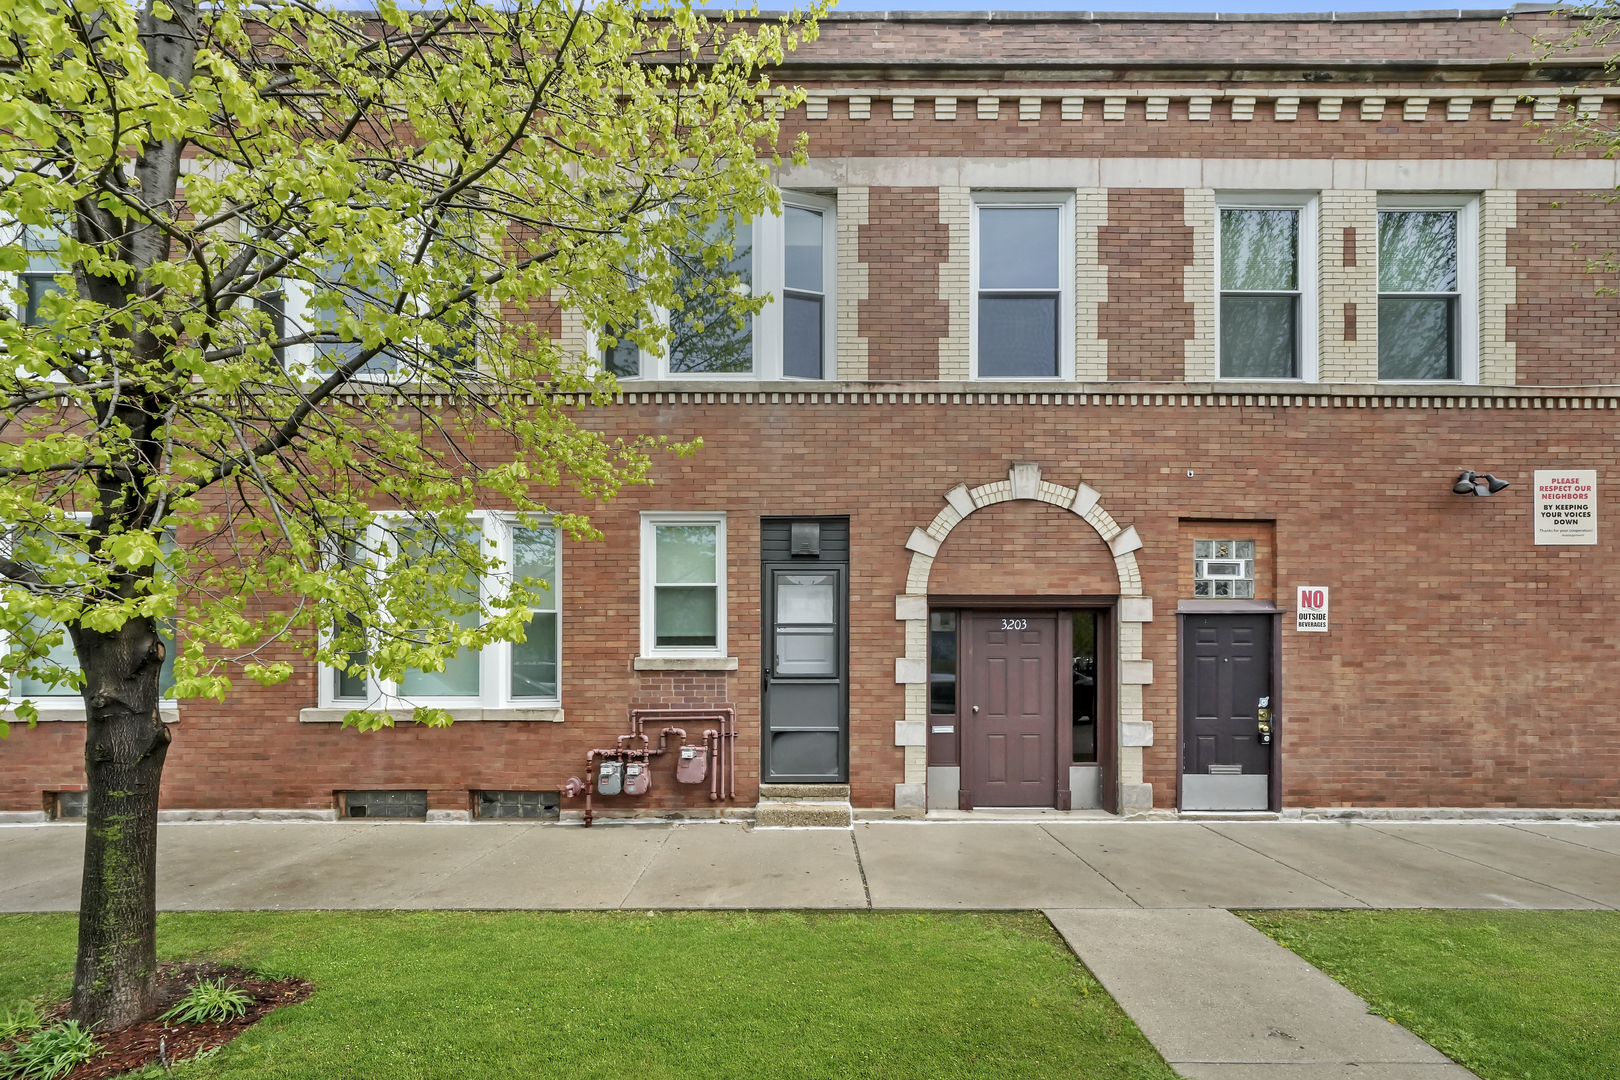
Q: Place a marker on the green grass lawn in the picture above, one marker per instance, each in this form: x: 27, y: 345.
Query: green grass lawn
x: 691, y: 996
x: 1513, y: 995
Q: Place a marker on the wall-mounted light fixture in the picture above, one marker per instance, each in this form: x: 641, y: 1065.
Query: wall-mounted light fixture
x: 1473, y: 483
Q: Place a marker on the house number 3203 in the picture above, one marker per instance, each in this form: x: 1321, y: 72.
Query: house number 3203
x: 1015, y: 624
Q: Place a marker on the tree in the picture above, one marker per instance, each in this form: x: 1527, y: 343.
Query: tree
x: 254, y: 241
x: 1584, y: 48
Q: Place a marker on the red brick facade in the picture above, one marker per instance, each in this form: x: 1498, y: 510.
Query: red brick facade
x: 1465, y: 665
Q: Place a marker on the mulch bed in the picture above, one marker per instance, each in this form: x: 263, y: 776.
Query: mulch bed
x: 127, y: 1050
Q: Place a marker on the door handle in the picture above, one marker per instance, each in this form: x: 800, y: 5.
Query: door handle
x: 975, y: 708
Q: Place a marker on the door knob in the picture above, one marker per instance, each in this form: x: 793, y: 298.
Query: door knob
x: 975, y: 708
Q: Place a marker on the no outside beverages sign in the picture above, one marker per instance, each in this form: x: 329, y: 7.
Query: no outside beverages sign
x: 1311, y: 609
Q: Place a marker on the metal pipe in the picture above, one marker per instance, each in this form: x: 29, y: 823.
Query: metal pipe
x: 711, y: 737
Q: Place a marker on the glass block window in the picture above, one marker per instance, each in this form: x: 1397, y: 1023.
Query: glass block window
x: 1223, y: 569
x: 385, y: 804
x: 518, y: 804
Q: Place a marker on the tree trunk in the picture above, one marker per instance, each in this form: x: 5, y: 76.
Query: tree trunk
x: 114, y: 982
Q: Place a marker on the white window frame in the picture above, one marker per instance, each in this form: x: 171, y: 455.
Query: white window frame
x: 1466, y: 204
x: 296, y: 307
x: 649, y: 575
x: 1063, y: 201
x: 768, y: 237
x: 72, y: 702
x: 1306, y: 202
x: 494, y: 660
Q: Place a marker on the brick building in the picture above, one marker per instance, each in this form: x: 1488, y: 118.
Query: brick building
x: 1096, y: 340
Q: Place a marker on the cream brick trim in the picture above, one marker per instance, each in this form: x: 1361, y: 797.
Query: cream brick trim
x: 1090, y: 284
x: 574, y: 338
x: 1339, y: 360
x: 1023, y: 481
x: 853, y: 209
x: 956, y: 213
x: 1198, y: 284
x: 1498, y: 289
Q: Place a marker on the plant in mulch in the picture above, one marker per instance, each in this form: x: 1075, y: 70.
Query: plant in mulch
x: 210, y: 1002
x: 48, y: 1052
x: 206, y: 1006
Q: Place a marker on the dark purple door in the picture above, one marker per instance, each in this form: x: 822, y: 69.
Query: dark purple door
x: 1010, y: 709
x: 1228, y: 671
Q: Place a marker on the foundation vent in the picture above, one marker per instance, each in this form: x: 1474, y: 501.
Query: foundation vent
x: 383, y: 804
x: 530, y: 805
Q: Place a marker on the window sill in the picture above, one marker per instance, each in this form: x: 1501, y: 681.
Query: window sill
x: 169, y: 713
x: 540, y: 714
x: 685, y: 663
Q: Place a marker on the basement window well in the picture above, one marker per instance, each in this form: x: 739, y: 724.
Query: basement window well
x: 383, y: 804
x: 66, y: 805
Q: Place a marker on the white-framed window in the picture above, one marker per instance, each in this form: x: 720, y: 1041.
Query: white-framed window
x: 683, y: 584
x: 1022, y: 323
x: 504, y: 674
x: 64, y: 695
x: 793, y: 259
x: 1428, y: 288
x: 293, y: 309
x: 1265, y: 273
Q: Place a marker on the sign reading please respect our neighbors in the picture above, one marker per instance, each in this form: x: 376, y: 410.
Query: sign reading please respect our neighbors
x: 1566, y: 506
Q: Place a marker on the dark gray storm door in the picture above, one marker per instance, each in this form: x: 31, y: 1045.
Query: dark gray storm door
x: 806, y: 661
x: 1226, y: 670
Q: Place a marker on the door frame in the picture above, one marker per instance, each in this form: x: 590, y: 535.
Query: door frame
x: 1183, y: 684
x: 1106, y: 606
x: 767, y: 663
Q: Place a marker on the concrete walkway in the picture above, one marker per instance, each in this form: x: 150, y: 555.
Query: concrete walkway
x: 1221, y: 1001
x: 1138, y: 901
x: 209, y: 866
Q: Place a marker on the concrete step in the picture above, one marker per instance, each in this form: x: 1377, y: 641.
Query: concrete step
x: 789, y: 806
x: 804, y: 791
x: 803, y: 813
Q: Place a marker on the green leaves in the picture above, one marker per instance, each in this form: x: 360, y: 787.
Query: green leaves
x: 312, y: 271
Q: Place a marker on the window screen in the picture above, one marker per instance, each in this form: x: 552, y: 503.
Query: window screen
x: 1418, y: 293
x: 1259, y: 294
x: 686, y: 586
x: 1020, y: 291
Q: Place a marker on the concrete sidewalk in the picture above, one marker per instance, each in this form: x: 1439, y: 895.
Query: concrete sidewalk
x: 225, y: 866
x: 1137, y: 901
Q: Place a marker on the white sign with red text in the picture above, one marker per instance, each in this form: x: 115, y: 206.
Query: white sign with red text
x: 1566, y: 506
x: 1311, y: 610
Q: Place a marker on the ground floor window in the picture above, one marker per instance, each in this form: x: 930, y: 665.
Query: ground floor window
x: 519, y: 674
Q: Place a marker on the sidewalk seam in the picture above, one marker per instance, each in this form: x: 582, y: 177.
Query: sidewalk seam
x: 855, y: 840
x: 644, y: 866
x: 1081, y: 859
x: 1290, y: 866
x: 1499, y: 870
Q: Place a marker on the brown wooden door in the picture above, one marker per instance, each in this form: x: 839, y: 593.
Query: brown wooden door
x: 1010, y: 709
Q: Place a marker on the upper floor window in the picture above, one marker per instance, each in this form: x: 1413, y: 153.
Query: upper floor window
x: 792, y: 259
x: 1023, y: 285
x: 1427, y: 271
x: 38, y: 280
x: 1266, y: 268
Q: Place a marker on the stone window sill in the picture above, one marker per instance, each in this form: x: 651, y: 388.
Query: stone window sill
x: 536, y: 715
x: 685, y: 663
x: 170, y: 714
